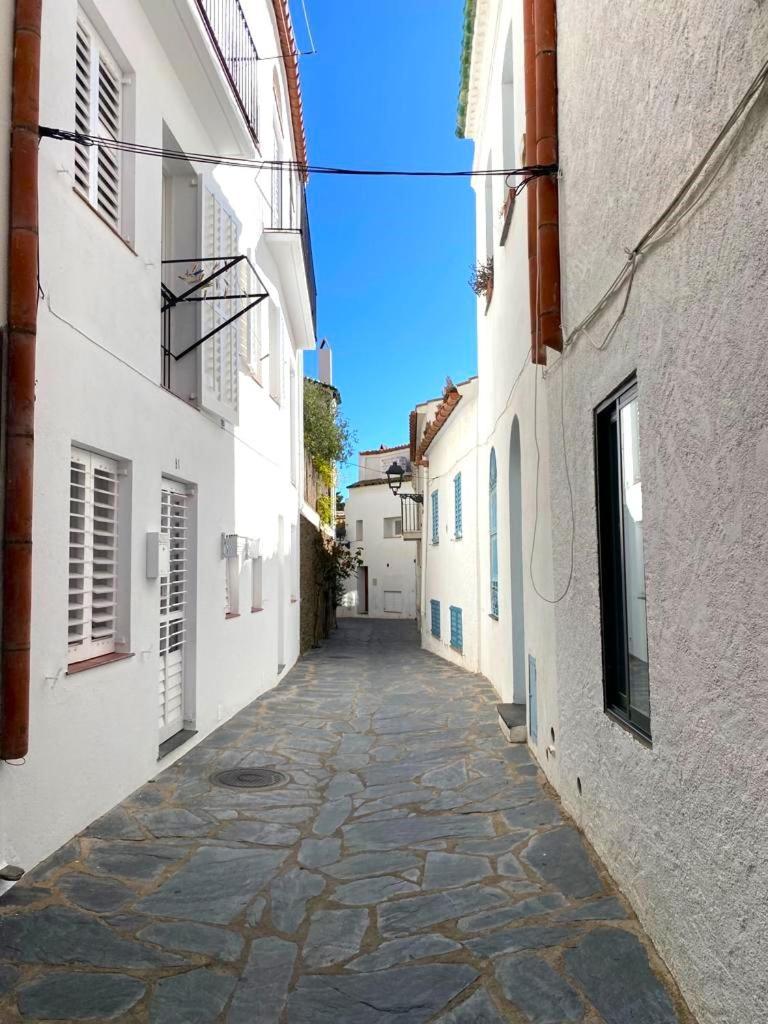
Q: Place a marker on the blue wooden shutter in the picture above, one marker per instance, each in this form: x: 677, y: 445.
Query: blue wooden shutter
x: 533, y: 716
x: 493, y: 529
x: 434, y: 607
x: 435, y: 519
x: 457, y: 629
x: 457, y: 503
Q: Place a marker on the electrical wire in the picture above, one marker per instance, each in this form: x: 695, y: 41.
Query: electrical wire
x: 140, y: 149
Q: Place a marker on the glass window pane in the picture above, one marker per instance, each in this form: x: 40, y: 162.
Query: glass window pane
x: 634, y: 564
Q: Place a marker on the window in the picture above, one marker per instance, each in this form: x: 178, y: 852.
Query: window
x: 358, y: 529
x: 457, y: 633
x: 393, y: 601
x: 457, y: 510
x: 622, y: 565
x: 93, y: 556
x: 434, y: 609
x: 257, y: 584
x: 277, y: 177
x: 393, y: 526
x: 435, y: 518
x: 98, y: 111
x: 250, y: 323
x: 493, y: 531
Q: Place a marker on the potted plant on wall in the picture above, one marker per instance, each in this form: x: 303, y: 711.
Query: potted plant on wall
x: 481, y: 279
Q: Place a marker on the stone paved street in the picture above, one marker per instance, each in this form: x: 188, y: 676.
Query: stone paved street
x: 413, y: 868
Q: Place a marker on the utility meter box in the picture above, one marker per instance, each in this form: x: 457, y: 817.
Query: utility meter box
x: 158, y: 555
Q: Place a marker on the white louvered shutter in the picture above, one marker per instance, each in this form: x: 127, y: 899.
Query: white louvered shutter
x: 174, y: 521
x: 219, y: 388
x: 98, y: 111
x: 93, y: 538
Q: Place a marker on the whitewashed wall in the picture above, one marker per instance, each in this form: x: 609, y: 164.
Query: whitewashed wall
x: 390, y: 560
x: 450, y: 567
x: 94, y: 735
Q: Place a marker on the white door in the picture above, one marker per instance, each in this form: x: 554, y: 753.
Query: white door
x: 175, y: 523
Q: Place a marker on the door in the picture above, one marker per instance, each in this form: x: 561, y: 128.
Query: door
x: 280, y: 594
x: 517, y: 565
x: 175, y: 586
x: 362, y: 590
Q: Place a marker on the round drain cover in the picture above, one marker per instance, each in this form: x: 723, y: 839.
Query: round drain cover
x: 249, y: 778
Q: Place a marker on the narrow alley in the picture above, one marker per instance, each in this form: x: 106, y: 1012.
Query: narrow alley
x: 408, y: 864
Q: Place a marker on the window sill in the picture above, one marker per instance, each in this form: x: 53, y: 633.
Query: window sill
x: 174, y: 742
x: 642, y: 737
x: 103, y: 220
x: 458, y: 536
x: 493, y: 616
x: 459, y: 650
x: 232, y: 615
x: 103, y: 659
x: 294, y: 600
x: 255, y: 610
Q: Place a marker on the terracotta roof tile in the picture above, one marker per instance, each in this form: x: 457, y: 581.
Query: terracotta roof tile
x: 450, y: 400
x: 289, y: 49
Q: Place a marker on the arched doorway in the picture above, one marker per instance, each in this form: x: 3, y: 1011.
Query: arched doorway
x: 517, y: 565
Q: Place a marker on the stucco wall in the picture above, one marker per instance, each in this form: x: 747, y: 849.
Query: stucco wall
x: 390, y: 560
x: 94, y: 735
x: 449, y: 568
x: 681, y: 825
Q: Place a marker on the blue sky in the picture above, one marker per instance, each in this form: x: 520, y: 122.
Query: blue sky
x: 392, y: 256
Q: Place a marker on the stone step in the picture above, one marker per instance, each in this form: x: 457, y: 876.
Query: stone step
x: 512, y: 722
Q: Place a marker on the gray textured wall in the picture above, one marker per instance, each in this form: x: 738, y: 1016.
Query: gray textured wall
x: 683, y: 826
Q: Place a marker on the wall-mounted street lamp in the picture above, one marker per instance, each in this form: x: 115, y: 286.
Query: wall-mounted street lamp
x: 395, y: 475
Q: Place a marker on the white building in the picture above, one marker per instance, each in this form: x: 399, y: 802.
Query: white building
x: 385, y: 585
x: 622, y: 599
x: 167, y: 473
x: 445, y: 454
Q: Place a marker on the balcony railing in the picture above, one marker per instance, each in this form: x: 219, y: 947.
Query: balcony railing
x: 232, y: 40
x: 411, y: 512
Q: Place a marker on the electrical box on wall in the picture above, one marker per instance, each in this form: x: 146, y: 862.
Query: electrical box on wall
x: 158, y: 555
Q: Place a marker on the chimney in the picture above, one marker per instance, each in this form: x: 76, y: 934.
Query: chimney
x: 325, y: 363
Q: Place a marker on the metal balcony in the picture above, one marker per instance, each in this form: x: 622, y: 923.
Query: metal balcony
x: 287, y: 236
x: 233, y: 43
x: 411, y: 512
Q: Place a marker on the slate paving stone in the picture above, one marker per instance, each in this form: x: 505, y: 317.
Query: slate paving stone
x: 288, y: 815
x: 8, y: 978
x: 197, y: 997
x: 175, y: 821
x: 608, y: 909
x: 262, y: 833
x: 540, y: 812
x: 343, y: 784
x: 290, y: 894
x: 102, y: 895
x: 80, y: 995
x: 446, y: 776
x: 533, y: 907
x: 58, y: 935
x: 255, y: 912
x: 215, y: 885
x: 134, y: 860
x: 372, y: 890
x: 508, y: 864
x: 64, y: 855
x: 403, y: 832
x: 494, y: 846
x: 115, y: 824
x: 561, y: 859
x: 416, y: 912
x: 402, y: 951
x: 334, y: 935
x: 612, y: 968
x: 263, y: 986
x: 409, y: 995
x: 189, y: 937
x: 444, y: 870
x: 316, y: 853
x: 332, y: 815
x: 23, y: 896
x: 510, y: 940
x: 478, y: 1009
x: 366, y: 865
x: 530, y: 984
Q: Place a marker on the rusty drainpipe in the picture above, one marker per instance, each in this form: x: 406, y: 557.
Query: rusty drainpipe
x: 538, y: 353
x: 20, y: 381
x: 547, y: 216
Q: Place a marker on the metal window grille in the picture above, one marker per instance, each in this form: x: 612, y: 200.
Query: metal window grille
x: 457, y: 629
x: 494, y: 540
x: 435, y: 518
x: 457, y: 506
x: 434, y: 609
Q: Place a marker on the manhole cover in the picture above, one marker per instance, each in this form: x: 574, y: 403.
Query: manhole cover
x: 249, y: 778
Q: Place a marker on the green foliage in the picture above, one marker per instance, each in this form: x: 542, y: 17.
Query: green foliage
x: 328, y: 437
x: 325, y: 472
x: 335, y: 563
x: 323, y: 506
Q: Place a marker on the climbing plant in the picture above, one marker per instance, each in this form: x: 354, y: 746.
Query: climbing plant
x: 328, y: 437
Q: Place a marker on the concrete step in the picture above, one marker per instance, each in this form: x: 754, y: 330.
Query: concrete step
x: 512, y: 722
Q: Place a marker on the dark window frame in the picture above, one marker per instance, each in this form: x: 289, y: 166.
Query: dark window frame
x: 612, y: 559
